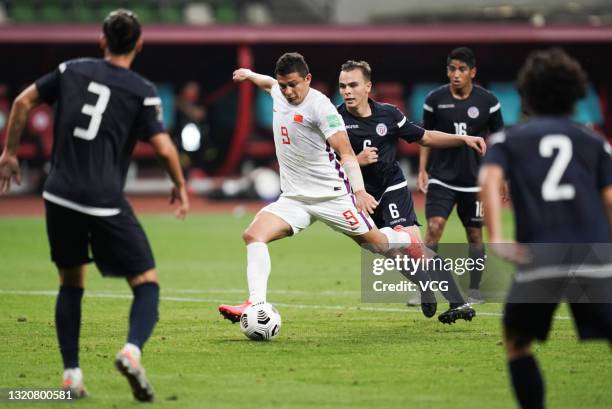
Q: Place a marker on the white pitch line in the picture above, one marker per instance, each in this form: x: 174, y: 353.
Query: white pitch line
x: 116, y: 295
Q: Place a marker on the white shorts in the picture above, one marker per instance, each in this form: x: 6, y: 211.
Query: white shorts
x: 338, y: 213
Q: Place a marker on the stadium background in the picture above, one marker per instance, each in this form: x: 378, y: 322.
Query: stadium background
x: 191, y: 49
x: 324, y: 357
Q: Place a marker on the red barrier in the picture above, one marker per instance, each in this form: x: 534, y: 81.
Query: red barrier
x: 243, y: 120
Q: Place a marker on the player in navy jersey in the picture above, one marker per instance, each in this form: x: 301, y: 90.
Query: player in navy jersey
x: 560, y: 177
x: 102, y: 110
x: 448, y: 176
x: 374, y: 130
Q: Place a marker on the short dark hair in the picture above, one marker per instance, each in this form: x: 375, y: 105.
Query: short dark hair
x: 462, y: 54
x: 365, y: 68
x: 291, y: 62
x: 122, y: 30
x: 550, y: 82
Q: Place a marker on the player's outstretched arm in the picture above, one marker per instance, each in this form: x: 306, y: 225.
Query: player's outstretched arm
x: 340, y: 143
x: 437, y: 139
x: 166, y: 151
x: 262, y: 81
x: 9, y: 164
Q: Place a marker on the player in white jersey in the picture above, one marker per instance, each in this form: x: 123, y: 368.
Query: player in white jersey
x: 309, y: 136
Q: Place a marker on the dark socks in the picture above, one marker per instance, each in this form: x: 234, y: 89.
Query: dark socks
x: 143, y: 314
x: 527, y: 382
x: 476, y: 252
x: 418, y: 277
x: 68, y: 324
x: 452, y: 294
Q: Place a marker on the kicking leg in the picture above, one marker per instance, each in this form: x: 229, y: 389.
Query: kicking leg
x: 266, y: 227
x: 458, y: 309
x: 68, y: 326
x: 398, y: 241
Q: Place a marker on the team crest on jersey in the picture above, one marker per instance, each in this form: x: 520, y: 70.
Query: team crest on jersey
x: 381, y: 129
x: 473, y: 112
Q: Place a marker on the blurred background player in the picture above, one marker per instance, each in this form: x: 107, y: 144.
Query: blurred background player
x: 448, y: 176
x: 103, y: 109
x: 308, y: 133
x: 560, y: 176
x: 374, y: 130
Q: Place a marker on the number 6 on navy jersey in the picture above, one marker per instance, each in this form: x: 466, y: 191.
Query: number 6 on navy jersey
x: 94, y: 111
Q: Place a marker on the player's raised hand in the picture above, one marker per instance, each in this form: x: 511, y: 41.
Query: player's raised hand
x: 422, y: 181
x: 9, y: 168
x: 241, y: 74
x: 365, y: 202
x: 180, y: 195
x: 477, y: 143
x: 515, y: 253
x: 367, y: 156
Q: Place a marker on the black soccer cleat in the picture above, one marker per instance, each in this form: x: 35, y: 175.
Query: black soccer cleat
x: 463, y: 312
x: 429, y: 305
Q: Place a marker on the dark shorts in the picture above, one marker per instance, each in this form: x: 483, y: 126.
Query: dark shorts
x: 118, y: 244
x: 440, y: 200
x: 395, y: 208
x: 593, y: 320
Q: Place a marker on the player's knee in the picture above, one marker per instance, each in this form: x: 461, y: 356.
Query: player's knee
x: 72, y: 277
x: 149, y: 276
x: 252, y: 236
x: 474, y: 235
x: 517, y: 346
x: 435, y: 227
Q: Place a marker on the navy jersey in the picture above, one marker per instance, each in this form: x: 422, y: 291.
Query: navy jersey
x: 102, y: 111
x: 556, y: 169
x: 380, y: 130
x: 477, y: 115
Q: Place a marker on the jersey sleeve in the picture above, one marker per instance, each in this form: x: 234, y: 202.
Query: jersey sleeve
x: 496, y: 121
x: 429, y: 117
x: 604, y: 171
x: 275, y: 91
x: 327, y: 119
x: 408, y: 131
x: 497, y: 152
x: 48, y: 86
x: 150, y: 120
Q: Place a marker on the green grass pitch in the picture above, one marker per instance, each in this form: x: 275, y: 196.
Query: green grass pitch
x: 333, y: 351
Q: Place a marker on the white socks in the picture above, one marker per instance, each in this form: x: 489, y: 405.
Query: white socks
x: 133, y: 350
x: 75, y: 375
x: 258, y: 271
x: 397, y: 239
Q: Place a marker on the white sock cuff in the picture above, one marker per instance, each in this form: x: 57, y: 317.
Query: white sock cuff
x: 257, y: 245
x: 397, y: 239
x: 133, y: 349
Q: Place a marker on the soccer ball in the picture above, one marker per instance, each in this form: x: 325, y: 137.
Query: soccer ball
x: 260, y: 322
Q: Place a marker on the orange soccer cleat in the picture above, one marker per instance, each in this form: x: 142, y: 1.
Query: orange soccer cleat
x: 233, y: 312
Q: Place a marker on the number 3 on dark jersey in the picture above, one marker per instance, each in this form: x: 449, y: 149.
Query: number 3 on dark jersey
x: 94, y: 111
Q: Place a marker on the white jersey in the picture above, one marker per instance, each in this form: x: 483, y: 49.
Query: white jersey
x: 308, y: 165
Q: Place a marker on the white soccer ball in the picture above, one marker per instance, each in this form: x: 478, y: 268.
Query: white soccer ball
x: 260, y: 322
